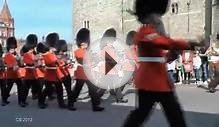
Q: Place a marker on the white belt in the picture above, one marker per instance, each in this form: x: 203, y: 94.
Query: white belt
x: 29, y: 67
x: 51, y: 68
x: 152, y: 59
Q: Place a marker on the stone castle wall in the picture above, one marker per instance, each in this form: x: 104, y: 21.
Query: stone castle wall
x: 104, y: 14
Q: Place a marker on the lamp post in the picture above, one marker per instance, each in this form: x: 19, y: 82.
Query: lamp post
x: 188, y: 7
x: 122, y: 16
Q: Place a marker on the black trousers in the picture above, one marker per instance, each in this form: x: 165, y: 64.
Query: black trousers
x: 187, y: 76
x: 46, y: 91
x: 3, y: 90
x: 36, y: 86
x: 116, y: 92
x: 147, y: 100
x: 20, y: 89
x: 92, y: 89
x: 67, y: 84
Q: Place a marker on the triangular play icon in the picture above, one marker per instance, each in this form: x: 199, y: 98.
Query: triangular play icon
x: 110, y: 63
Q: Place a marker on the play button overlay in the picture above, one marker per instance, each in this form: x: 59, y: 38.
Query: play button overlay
x: 109, y: 63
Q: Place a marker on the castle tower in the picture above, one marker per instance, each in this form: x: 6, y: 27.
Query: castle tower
x: 6, y: 24
x: 215, y: 20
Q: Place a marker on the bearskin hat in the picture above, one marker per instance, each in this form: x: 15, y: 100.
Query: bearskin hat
x: 108, y: 34
x: 11, y: 43
x: 41, y: 48
x: 61, y: 46
x: 144, y: 8
x: 24, y: 49
x: 31, y: 40
x: 83, y: 36
x: 52, y: 39
x: 130, y: 37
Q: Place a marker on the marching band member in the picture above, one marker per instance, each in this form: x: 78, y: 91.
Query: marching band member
x: 53, y: 75
x: 29, y: 59
x: 14, y: 72
x: 151, y: 77
x: 107, y: 41
x: 64, y: 65
x: 129, y: 65
x: 83, y: 40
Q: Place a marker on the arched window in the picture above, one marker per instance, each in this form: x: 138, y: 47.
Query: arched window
x: 175, y: 8
x: 87, y: 24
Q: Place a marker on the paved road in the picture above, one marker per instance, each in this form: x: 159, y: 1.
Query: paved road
x: 201, y: 110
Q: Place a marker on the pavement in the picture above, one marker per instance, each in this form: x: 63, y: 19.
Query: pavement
x: 201, y: 110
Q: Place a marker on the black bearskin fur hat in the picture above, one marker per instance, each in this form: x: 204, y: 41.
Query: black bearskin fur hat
x: 130, y: 38
x: 11, y: 43
x: 110, y: 33
x: 31, y: 40
x: 144, y: 8
x: 83, y: 36
x: 41, y: 48
x: 61, y: 46
x: 108, y: 36
x: 52, y: 39
x: 24, y: 49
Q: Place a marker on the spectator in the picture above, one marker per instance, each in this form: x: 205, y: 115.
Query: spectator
x: 197, y: 66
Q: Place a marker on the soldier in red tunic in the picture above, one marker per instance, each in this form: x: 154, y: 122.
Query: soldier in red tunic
x: 83, y: 40
x: 65, y: 65
x: 53, y: 74
x: 129, y: 65
x: 151, y: 77
x: 29, y: 59
x: 3, y: 79
x: 106, y: 45
x: 14, y: 72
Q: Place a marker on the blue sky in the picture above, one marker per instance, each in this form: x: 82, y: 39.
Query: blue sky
x: 41, y: 17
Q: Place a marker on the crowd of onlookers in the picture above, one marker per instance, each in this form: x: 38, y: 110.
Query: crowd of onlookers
x: 193, y: 67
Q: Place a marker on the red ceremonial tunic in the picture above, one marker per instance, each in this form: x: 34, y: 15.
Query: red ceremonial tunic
x: 64, y: 67
x: 52, y: 72
x: 2, y: 73
x: 79, y: 72
x: 11, y: 63
x: 40, y: 70
x: 29, y: 59
x: 111, y: 51
x: 153, y: 76
x: 131, y: 58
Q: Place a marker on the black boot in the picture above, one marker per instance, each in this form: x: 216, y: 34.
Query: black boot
x: 22, y: 104
x: 4, y: 103
x: 42, y: 105
x: 122, y: 100
x: 71, y: 108
x: 62, y: 105
x: 98, y: 109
